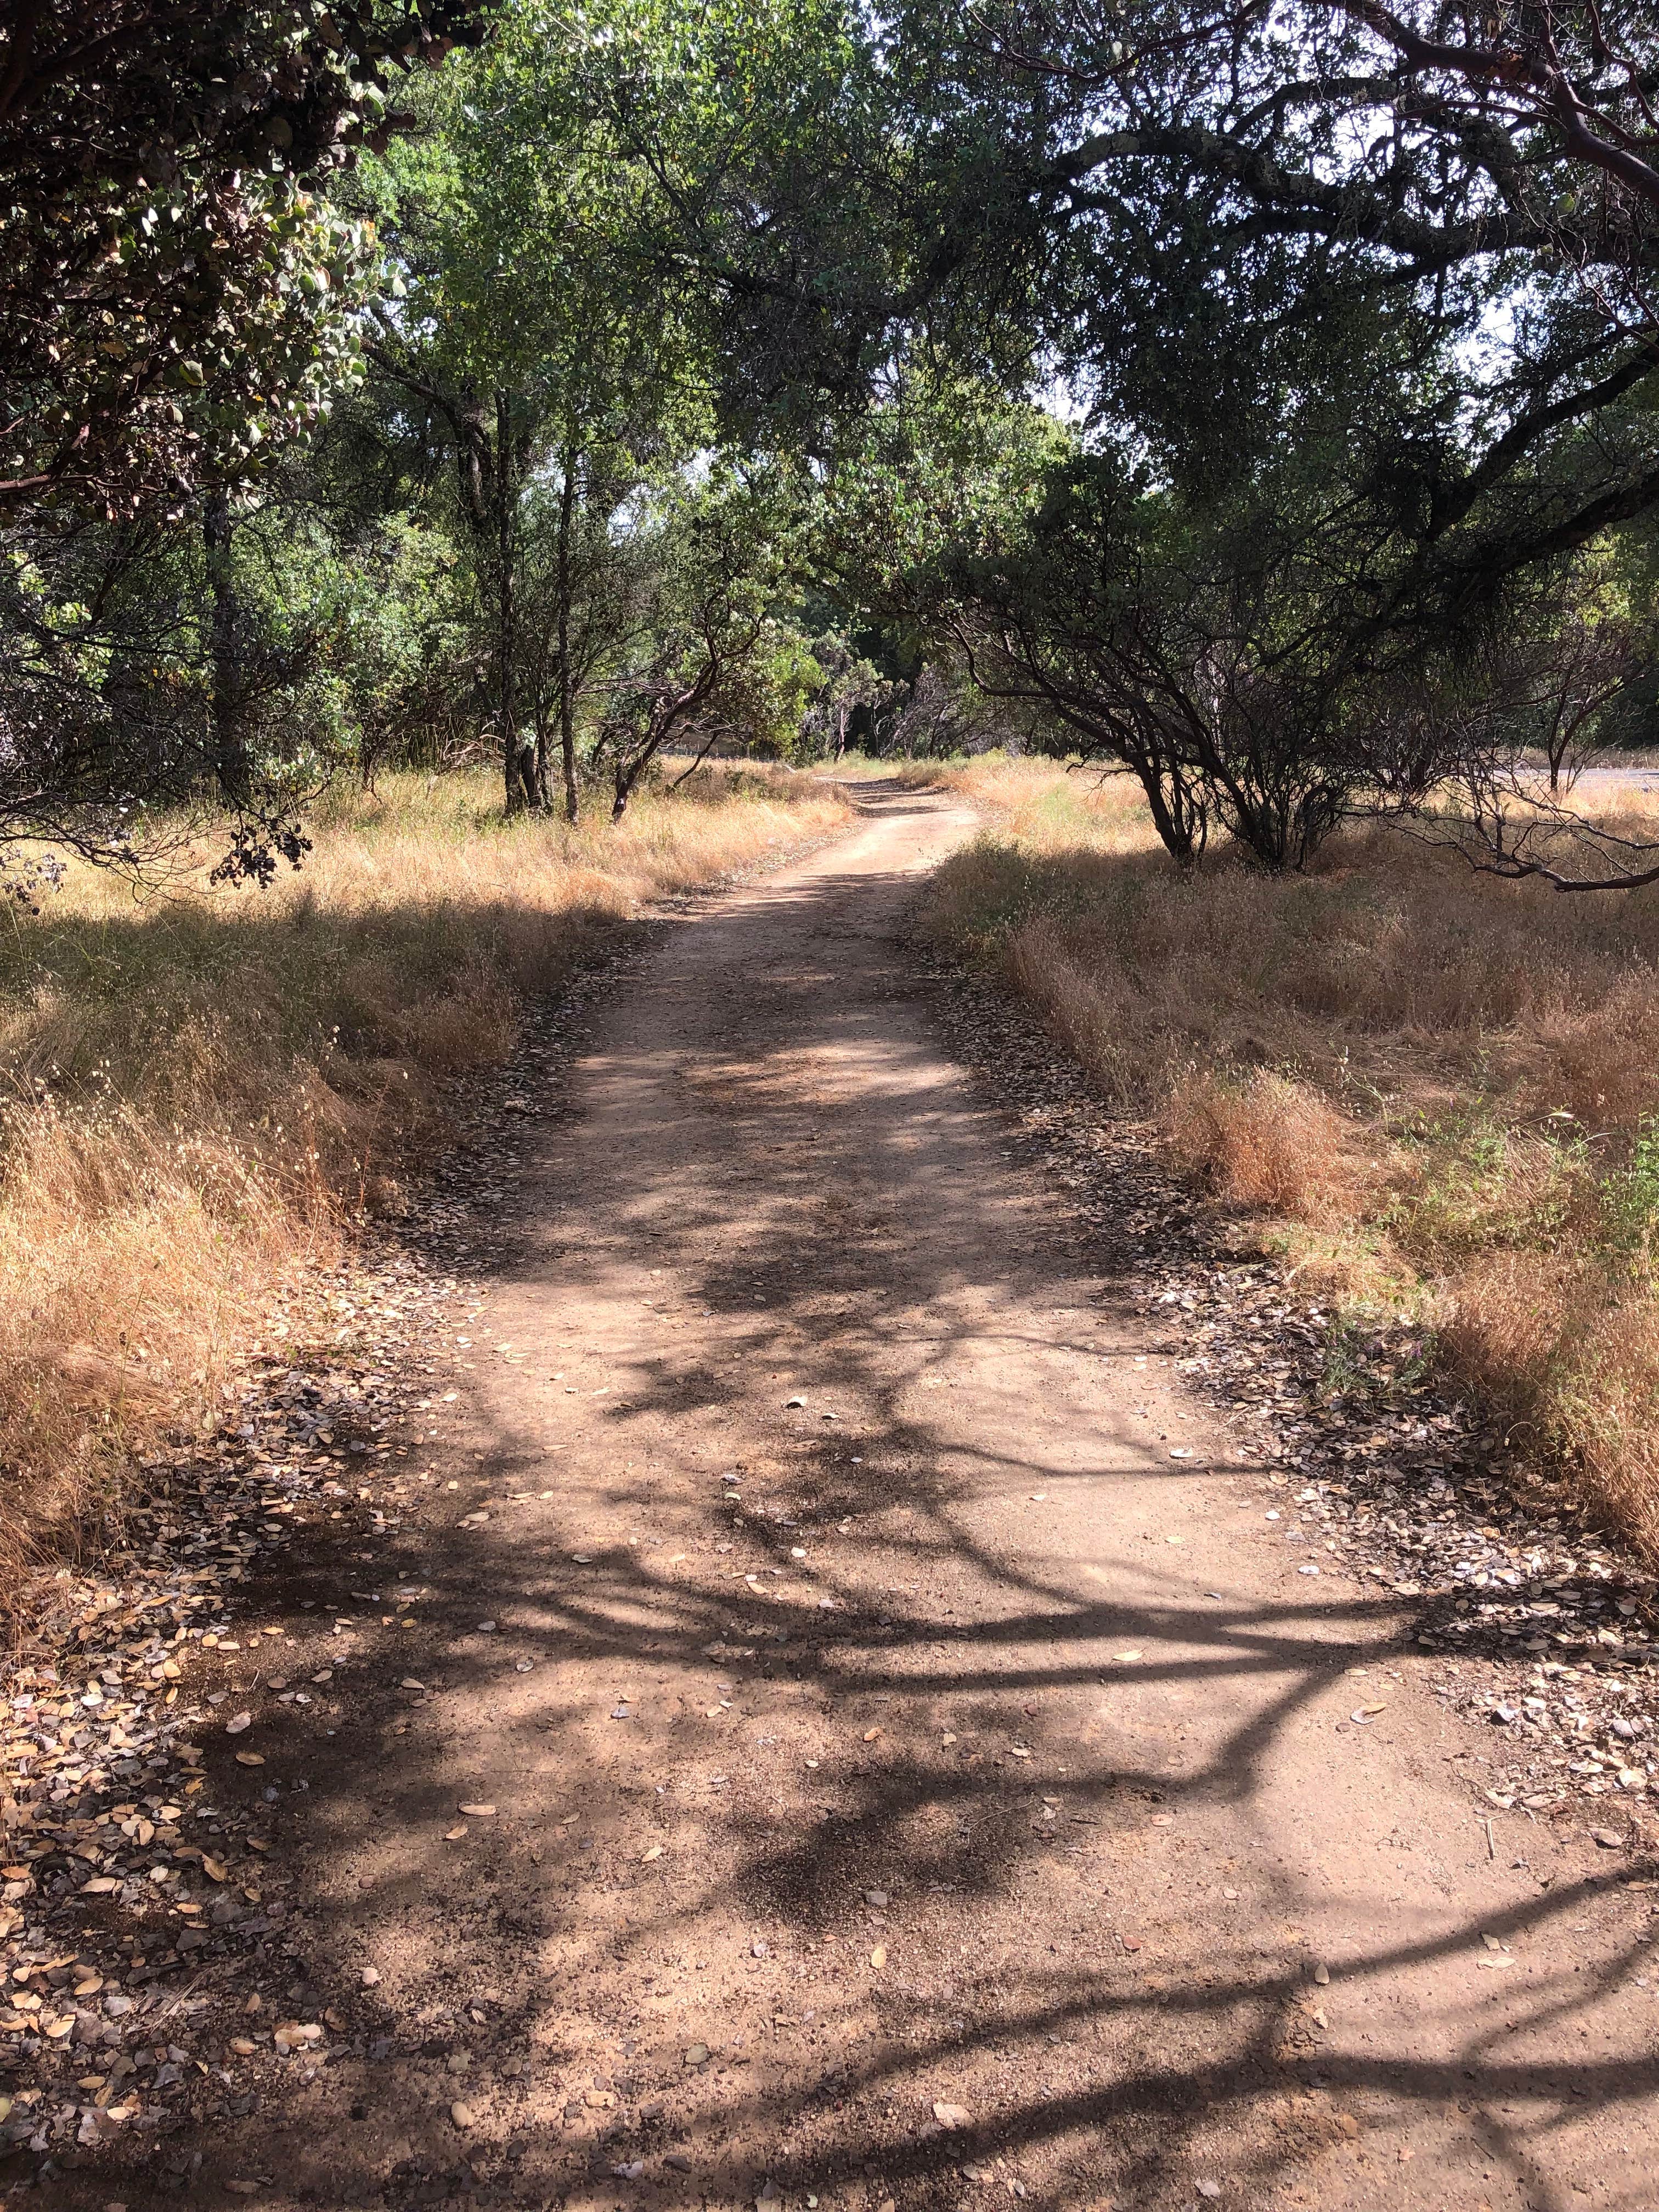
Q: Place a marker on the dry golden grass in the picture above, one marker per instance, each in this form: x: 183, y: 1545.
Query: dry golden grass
x: 1023, y: 790
x: 1444, y: 1090
x: 203, y: 1089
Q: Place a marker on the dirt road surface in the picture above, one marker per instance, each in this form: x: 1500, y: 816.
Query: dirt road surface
x: 918, y: 1771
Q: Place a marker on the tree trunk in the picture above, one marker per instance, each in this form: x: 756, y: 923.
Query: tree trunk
x: 518, y: 796
x: 506, y: 692
x: 628, y: 773
x: 1179, y: 815
x: 567, y: 701
x: 230, y: 766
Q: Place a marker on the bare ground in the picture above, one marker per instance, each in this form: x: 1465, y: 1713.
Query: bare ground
x: 941, y: 1789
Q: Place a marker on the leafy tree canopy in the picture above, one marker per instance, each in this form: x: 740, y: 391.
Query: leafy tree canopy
x: 1215, y: 226
x: 170, y: 292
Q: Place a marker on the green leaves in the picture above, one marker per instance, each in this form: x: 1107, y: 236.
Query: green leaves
x: 156, y: 237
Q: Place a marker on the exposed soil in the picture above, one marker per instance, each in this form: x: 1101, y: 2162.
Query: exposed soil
x: 1548, y: 1623
x: 909, y: 1768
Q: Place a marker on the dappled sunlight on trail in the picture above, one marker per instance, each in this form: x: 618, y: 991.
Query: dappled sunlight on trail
x: 908, y: 1780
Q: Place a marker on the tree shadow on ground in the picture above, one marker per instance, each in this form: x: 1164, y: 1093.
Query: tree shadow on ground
x: 961, y: 1776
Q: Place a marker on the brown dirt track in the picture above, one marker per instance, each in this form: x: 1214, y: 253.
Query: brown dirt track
x: 978, y: 1644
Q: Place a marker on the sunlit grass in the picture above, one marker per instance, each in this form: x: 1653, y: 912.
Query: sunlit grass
x: 201, y: 1089
x: 1441, y: 1089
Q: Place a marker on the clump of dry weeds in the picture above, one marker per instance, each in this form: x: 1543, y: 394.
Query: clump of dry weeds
x: 200, y: 1089
x: 1444, y: 1089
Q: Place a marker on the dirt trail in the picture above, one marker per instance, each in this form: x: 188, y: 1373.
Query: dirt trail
x: 942, y: 1788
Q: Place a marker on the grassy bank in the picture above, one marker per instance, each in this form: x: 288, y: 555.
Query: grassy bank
x: 1440, y: 1091
x: 203, y: 1089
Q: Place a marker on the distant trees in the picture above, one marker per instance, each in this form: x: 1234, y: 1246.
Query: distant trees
x: 1204, y: 649
x: 111, y: 730
x: 714, y: 656
x: 1250, y: 394
x: 1240, y: 647
x: 1353, y: 313
x: 482, y: 370
x: 542, y: 344
x: 851, y: 690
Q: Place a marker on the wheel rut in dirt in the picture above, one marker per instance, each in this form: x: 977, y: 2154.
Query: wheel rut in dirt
x: 911, y: 1769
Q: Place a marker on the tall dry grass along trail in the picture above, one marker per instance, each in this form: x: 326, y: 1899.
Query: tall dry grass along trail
x: 206, y: 1089
x: 1437, y: 1092
x: 818, y: 1709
